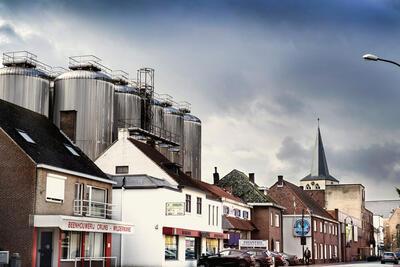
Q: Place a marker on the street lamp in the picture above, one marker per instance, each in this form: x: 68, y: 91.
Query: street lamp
x: 372, y: 57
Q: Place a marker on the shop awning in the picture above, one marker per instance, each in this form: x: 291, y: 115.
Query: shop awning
x: 193, y: 233
x: 232, y: 223
x: 82, y: 224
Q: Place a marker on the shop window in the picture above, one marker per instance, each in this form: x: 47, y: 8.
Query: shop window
x: 212, y: 246
x: 245, y: 214
x: 94, y: 245
x: 199, y: 205
x: 55, y: 187
x: 68, y: 123
x: 121, y: 169
x: 226, y: 210
x: 70, y: 245
x: 192, y: 248
x: 188, y: 203
x: 171, y: 247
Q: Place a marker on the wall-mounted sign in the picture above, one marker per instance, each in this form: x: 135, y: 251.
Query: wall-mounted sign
x: 298, y: 230
x: 96, y: 227
x: 243, y: 243
x: 4, y: 257
x: 175, y: 208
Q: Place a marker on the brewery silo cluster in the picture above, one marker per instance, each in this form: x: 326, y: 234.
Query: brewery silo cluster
x: 89, y: 102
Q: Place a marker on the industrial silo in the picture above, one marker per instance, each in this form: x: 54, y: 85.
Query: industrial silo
x: 192, y: 146
x: 173, y: 126
x: 24, y: 81
x: 127, y: 107
x: 156, y: 125
x: 83, y: 104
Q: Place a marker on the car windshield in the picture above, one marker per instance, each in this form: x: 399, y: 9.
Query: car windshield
x: 389, y: 254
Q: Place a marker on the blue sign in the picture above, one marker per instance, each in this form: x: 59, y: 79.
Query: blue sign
x: 298, y: 231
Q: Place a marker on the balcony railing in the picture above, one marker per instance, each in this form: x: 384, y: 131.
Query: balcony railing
x: 91, y: 208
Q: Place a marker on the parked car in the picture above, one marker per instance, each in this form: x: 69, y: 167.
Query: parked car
x: 292, y: 259
x: 262, y: 257
x: 229, y: 257
x: 279, y: 259
x: 389, y: 257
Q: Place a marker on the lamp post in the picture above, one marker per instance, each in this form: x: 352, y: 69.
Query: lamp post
x: 371, y: 57
x: 345, y: 235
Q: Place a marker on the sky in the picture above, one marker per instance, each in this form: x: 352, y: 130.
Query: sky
x: 257, y: 73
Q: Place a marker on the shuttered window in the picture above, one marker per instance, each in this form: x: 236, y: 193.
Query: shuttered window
x: 55, y: 187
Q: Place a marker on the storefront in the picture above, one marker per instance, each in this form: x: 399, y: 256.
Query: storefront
x: 75, y: 241
x: 188, y: 245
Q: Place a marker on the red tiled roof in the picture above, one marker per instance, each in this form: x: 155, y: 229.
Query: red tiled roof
x: 218, y: 191
x: 238, y: 224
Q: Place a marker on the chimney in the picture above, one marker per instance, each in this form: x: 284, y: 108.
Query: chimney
x: 216, y: 176
x: 251, y: 177
x: 280, y: 180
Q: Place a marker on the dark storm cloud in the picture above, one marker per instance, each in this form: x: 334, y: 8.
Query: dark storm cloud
x: 276, y: 65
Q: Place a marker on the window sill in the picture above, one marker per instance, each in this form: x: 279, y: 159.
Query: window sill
x: 54, y: 201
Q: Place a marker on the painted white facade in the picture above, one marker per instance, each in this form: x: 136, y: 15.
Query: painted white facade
x: 291, y: 243
x: 233, y: 205
x: 379, y: 235
x: 146, y: 209
x: 316, y: 184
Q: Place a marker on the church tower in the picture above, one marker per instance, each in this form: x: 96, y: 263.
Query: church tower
x: 319, y: 176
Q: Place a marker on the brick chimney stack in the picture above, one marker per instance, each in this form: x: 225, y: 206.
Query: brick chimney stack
x: 251, y: 177
x: 280, y: 180
x: 216, y: 176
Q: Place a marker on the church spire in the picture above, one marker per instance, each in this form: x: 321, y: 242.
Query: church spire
x: 319, y: 165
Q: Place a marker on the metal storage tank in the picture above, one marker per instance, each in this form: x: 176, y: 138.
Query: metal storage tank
x: 173, y: 126
x: 83, y: 104
x: 127, y: 107
x: 24, y: 81
x: 156, y: 118
x: 192, y: 146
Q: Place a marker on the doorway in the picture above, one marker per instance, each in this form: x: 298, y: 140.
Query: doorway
x: 46, y: 249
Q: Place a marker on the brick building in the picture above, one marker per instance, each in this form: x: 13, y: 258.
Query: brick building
x: 55, y: 202
x: 321, y: 230
x: 345, y: 202
x: 266, y: 214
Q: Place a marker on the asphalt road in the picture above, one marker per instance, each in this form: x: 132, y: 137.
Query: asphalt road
x: 366, y: 264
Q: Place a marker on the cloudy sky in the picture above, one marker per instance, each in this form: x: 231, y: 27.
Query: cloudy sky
x: 258, y: 74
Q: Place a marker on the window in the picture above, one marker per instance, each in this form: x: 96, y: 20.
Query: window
x: 308, y: 187
x: 121, y: 169
x: 98, y: 199
x: 188, y: 203
x: 209, y: 214
x: 70, y: 245
x: 277, y: 220
x: 321, y: 251
x: 94, y: 244
x: 271, y: 218
x: 317, y: 186
x: 325, y: 252
x: 334, y: 251
x: 321, y: 227
x: 192, y: 248
x: 71, y: 150
x: 26, y: 136
x: 216, y: 218
x: 245, y: 214
x: 330, y: 251
x: 212, y: 246
x: 55, y: 188
x: 171, y: 247
x: 213, y: 215
x: 325, y: 227
x: 226, y: 210
x: 198, y: 205
x: 315, y: 253
x: 78, y: 198
x: 68, y: 123
x: 237, y: 212
x: 315, y: 225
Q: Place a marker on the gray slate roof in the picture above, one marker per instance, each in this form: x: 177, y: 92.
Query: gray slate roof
x: 382, y: 207
x: 319, y: 165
